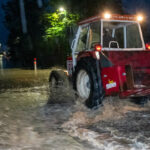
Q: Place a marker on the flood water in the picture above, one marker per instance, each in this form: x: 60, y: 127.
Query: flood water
x: 28, y: 123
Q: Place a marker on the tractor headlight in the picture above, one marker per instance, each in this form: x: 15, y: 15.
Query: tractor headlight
x: 140, y: 18
x: 107, y: 15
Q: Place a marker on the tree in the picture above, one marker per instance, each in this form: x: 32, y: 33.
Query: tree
x: 24, y: 47
x: 58, y: 26
x: 58, y: 22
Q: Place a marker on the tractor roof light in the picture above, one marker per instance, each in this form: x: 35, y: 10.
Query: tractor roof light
x: 140, y: 18
x: 107, y: 15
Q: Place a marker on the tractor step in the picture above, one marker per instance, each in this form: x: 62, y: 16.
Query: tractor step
x: 138, y: 92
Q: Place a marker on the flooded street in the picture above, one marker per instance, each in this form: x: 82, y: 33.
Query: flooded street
x: 28, y: 123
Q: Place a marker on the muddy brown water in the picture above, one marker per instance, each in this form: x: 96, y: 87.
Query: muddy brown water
x: 28, y: 123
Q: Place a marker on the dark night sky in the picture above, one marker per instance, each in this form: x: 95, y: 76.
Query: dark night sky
x: 3, y: 31
x: 136, y: 6
x: 131, y: 6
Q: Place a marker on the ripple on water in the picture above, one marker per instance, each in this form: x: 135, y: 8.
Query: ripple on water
x: 27, y: 122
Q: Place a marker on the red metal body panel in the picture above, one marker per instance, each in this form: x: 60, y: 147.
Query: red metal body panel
x: 122, y: 77
x: 113, y: 78
x: 139, y: 61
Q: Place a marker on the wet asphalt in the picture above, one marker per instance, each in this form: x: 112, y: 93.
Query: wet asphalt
x: 27, y: 122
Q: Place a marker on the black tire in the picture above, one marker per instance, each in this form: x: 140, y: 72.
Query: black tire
x: 143, y: 100
x: 58, y: 81
x: 89, y: 65
x: 60, y: 77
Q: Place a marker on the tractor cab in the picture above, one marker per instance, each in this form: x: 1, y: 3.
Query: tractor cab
x: 111, y: 32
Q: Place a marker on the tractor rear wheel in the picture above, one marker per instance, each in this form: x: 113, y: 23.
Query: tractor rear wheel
x: 86, y: 82
x: 142, y: 100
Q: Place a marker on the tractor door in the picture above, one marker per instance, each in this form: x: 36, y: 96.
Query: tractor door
x: 80, y: 42
x: 88, y: 35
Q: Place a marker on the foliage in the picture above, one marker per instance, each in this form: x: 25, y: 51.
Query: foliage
x: 58, y: 23
x: 58, y: 28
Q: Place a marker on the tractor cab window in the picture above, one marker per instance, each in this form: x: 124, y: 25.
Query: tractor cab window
x: 108, y: 36
x: 133, y: 36
x: 94, y: 34
x: 121, y: 35
x: 82, y: 41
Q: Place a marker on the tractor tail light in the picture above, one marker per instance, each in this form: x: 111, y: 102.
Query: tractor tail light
x: 148, y: 46
x: 98, y: 47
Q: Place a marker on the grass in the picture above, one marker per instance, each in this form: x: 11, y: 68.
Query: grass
x: 17, y: 78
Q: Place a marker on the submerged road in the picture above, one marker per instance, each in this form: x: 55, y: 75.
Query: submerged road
x: 28, y: 123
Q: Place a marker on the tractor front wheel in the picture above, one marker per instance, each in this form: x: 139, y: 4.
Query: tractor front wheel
x: 83, y: 84
x: 86, y: 82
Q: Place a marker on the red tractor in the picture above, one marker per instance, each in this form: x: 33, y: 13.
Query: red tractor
x: 109, y: 57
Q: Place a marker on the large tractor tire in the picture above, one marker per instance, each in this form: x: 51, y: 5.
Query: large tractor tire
x: 58, y: 78
x: 86, y: 82
x: 58, y: 85
x: 143, y: 100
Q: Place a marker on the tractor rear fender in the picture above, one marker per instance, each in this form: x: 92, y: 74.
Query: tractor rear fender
x: 84, y: 54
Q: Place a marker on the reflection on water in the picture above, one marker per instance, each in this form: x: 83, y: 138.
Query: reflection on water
x: 28, y: 123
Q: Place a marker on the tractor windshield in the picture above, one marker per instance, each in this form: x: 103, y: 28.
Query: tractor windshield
x: 121, y: 35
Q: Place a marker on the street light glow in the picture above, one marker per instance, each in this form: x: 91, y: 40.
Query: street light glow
x: 61, y: 9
